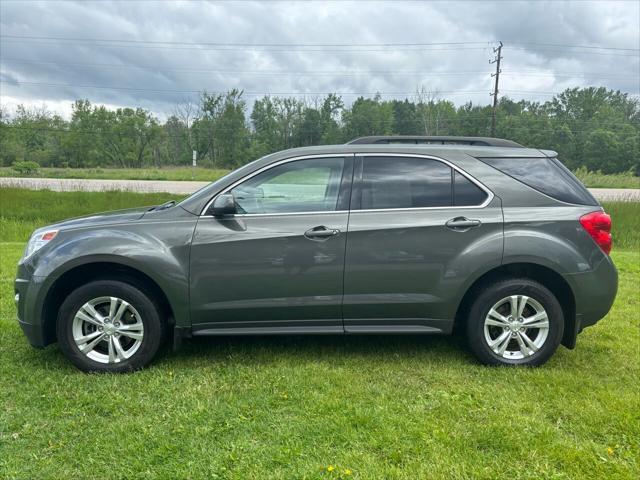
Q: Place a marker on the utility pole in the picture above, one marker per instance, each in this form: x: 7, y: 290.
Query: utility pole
x: 496, y: 60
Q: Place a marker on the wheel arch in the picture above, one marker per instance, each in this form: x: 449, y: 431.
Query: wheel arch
x: 542, y: 274
x: 81, y: 274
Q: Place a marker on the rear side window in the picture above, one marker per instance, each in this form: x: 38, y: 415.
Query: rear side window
x: 465, y: 192
x: 405, y: 182
x: 409, y: 182
x: 547, y: 175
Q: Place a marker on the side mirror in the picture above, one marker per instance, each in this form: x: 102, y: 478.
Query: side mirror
x: 223, y: 205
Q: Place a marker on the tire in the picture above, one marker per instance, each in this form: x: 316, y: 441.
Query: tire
x: 100, y: 316
x: 499, y: 338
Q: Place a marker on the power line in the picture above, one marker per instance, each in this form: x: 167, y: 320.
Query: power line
x: 285, y: 50
x: 260, y: 94
x: 564, y: 45
x: 249, y: 72
x: 530, y: 73
x: 337, y: 45
x: 324, y: 47
x: 421, y: 50
x: 271, y: 49
x: 235, y: 44
x: 247, y: 93
x: 574, y: 52
x: 346, y: 73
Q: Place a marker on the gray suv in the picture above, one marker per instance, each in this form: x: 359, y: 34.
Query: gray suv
x: 384, y: 235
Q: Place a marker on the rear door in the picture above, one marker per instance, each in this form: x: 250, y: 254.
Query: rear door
x: 277, y: 265
x: 418, y: 230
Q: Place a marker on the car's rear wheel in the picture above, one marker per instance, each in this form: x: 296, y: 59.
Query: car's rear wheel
x: 109, y: 326
x: 515, y: 322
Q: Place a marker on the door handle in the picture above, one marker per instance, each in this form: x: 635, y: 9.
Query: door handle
x: 462, y: 223
x: 321, y: 233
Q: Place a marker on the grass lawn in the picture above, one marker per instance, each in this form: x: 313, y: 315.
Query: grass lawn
x: 290, y: 407
x: 22, y: 211
x: 590, y: 179
x: 318, y: 407
x: 601, y: 180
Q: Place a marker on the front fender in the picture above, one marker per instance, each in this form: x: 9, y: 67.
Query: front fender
x: 138, y: 247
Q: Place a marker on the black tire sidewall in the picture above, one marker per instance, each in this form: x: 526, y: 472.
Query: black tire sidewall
x: 153, y: 326
x: 494, y: 293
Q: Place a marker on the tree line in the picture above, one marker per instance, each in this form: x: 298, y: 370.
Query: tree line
x: 593, y: 128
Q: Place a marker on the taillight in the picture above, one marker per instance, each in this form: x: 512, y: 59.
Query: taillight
x: 598, y: 225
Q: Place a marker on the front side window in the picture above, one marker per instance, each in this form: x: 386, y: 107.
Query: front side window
x: 310, y: 185
x: 405, y: 182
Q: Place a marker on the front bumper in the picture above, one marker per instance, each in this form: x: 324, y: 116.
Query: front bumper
x: 29, y: 310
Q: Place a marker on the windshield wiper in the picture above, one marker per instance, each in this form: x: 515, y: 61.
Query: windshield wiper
x: 164, y: 206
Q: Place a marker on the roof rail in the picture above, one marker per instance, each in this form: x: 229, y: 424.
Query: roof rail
x: 438, y: 140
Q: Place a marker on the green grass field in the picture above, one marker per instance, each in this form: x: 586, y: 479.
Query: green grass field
x: 601, y: 180
x: 590, y: 179
x: 22, y: 211
x: 318, y: 407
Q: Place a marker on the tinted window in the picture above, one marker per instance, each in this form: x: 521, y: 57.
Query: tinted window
x: 399, y: 182
x: 546, y: 175
x: 465, y: 192
x: 298, y: 186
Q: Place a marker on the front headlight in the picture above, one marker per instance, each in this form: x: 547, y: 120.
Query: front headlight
x: 37, y: 241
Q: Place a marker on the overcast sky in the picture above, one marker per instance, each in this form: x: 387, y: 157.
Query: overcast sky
x: 157, y: 53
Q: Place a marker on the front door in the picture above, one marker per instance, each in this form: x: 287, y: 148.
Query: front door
x: 418, y: 230
x: 277, y: 266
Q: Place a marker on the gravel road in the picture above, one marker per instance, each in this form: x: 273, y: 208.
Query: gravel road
x: 185, y: 188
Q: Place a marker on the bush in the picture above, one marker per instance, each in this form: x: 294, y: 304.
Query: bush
x: 25, y: 168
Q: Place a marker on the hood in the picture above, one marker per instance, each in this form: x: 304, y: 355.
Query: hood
x: 105, y: 218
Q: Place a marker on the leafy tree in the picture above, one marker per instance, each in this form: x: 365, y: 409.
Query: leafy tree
x: 368, y: 116
x: 593, y: 128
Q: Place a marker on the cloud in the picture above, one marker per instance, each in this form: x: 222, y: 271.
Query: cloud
x: 185, y: 55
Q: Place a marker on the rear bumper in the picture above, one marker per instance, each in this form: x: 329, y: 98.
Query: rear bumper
x: 594, y: 292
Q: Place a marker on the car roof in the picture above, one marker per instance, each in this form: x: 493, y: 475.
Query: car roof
x: 424, y: 149
x: 435, y: 140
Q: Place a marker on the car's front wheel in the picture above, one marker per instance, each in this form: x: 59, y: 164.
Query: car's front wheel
x: 109, y: 326
x: 515, y: 322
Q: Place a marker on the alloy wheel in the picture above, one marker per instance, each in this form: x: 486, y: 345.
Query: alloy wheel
x: 108, y: 330
x: 516, y: 327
